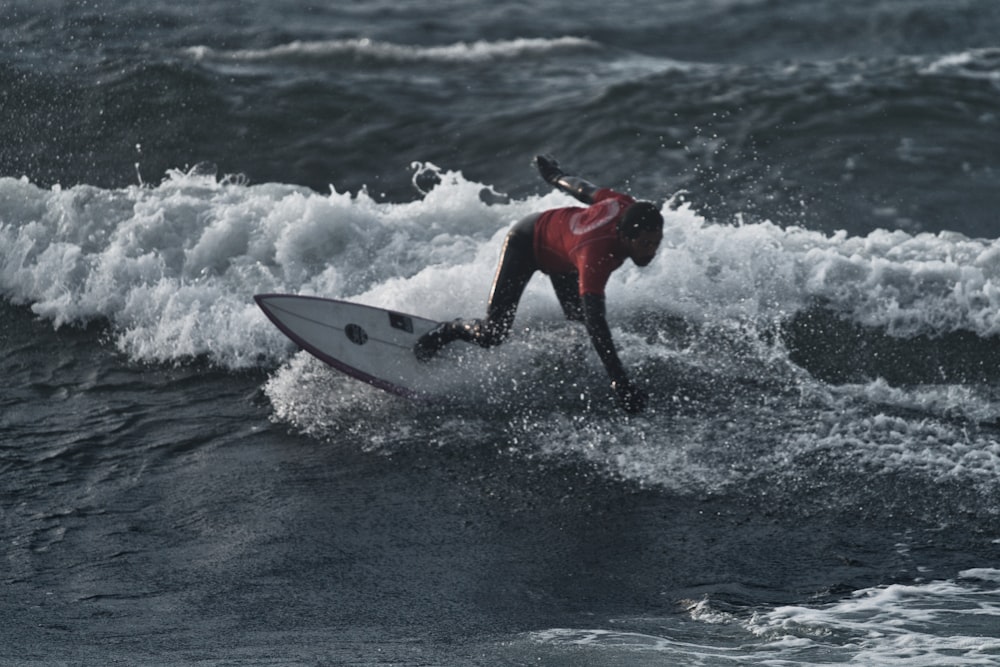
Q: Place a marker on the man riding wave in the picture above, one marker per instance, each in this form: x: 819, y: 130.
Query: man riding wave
x: 578, y: 248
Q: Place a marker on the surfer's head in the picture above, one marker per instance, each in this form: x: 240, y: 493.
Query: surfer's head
x: 641, y: 230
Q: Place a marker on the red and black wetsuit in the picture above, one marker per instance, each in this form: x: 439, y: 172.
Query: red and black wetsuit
x: 578, y: 248
x: 583, y: 241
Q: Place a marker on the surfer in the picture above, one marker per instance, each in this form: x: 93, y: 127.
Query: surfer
x: 579, y: 248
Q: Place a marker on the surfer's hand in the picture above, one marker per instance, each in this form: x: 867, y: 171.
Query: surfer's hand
x: 548, y: 167
x: 631, y: 398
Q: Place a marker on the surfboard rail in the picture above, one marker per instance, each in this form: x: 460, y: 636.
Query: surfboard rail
x: 371, y: 344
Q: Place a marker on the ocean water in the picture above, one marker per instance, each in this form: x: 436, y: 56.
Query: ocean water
x: 816, y: 480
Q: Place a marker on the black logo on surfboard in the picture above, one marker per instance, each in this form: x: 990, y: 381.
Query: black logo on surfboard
x: 356, y: 334
x: 401, y: 322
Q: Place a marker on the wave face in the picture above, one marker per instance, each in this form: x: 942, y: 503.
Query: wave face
x: 895, y: 319
x: 80, y: 253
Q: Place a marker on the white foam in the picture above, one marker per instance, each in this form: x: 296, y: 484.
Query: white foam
x: 940, y: 622
x: 79, y: 253
x: 172, y: 269
x: 904, y: 284
x: 919, y: 625
x: 457, y: 52
x: 972, y: 64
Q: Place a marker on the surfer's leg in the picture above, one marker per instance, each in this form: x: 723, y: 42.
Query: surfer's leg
x: 517, y: 265
x: 567, y: 287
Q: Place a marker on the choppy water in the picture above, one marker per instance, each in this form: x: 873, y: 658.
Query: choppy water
x: 816, y: 479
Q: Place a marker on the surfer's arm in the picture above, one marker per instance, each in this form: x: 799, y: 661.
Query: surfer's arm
x: 580, y: 188
x: 631, y: 398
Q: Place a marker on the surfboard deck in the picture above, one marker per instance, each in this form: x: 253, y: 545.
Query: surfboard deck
x: 371, y: 344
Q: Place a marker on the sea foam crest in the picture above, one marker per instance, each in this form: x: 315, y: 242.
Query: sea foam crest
x: 172, y: 270
x: 378, y: 50
x: 173, y: 267
x: 904, y: 284
x: 889, y: 624
x: 972, y: 64
x: 894, y: 624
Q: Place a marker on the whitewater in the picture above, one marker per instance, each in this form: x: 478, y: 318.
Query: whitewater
x: 171, y: 269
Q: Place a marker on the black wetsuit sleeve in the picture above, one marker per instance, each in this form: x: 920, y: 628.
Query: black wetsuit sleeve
x: 630, y: 397
x: 550, y: 171
x: 580, y: 188
x: 595, y: 317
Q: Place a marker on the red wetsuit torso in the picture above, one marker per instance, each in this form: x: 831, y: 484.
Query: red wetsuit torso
x: 583, y: 240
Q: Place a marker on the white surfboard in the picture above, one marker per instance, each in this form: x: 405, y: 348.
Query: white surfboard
x: 371, y: 344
